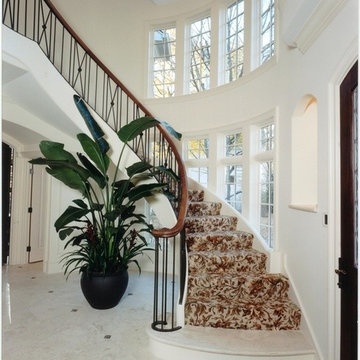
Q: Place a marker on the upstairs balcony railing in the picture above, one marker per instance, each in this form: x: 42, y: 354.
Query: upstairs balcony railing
x: 40, y: 21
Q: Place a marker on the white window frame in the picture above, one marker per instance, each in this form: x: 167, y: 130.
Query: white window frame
x: 227, y: 161
x: 217, y: 14
x: 224, y: 34
x: 261, y: 157
x: 198, y: 176
x: 256, y: 35
x: 188, y: 50
x: 197, y: 163
x: 154, y: 28
x: 236, y: 184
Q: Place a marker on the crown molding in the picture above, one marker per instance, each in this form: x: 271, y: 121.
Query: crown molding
x: 309, y: 21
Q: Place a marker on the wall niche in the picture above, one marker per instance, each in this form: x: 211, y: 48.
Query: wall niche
x: 304, y: 155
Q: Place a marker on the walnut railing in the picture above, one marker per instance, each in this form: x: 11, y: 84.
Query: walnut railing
x: 41, y: 22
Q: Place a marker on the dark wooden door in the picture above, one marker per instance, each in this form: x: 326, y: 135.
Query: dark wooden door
x: 6, y: 200
x: 350, y: 176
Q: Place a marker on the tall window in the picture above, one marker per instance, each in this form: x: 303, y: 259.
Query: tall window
x: 200, y: 42
x: 234, y: 53
x: 233, y: 186
x: 164, y: 45
x: 233, y: 169
x: 266, y: 182
x: 266, y: 220
x: 267, y: 30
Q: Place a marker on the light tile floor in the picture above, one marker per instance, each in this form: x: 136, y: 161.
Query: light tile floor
x: 46, y: 317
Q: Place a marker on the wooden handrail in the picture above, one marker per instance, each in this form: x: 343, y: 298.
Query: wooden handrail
x: 162, y: 232
x: 166, y: 232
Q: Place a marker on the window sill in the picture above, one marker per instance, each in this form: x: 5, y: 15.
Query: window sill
x: 305, y: 207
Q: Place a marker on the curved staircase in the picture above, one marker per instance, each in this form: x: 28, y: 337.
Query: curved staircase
x: 233, y: 307
x: 228, y: 286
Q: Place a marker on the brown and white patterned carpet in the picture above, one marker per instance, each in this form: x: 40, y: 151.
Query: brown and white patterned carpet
x: 228, y: 286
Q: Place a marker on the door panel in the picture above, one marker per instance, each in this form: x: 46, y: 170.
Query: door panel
x: 37, y: 201
x: 6, y: 200
x: 347, y: 271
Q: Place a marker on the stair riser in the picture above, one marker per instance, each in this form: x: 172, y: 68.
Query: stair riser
x: 196, y: 195
x: 218, y: 242
x: 238, y: 288
x: 206, y: 224
x: 231, y: 265
x: 203, y: 209
x: 248, y: 317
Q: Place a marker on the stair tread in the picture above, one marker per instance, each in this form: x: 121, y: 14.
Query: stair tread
x: 242, y: 302
x: 228, y: 253
x: 277, y: 276
x: 210, y: 216
x: 237, y: 342
x: 205, y: 202
x: 225, y: 233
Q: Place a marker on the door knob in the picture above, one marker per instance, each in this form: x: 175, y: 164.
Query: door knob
x: 340, y: 272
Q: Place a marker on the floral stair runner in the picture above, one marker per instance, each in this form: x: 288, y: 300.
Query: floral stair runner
x: 228, y: 286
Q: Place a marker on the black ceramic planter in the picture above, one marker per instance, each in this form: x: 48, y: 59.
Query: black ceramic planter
x: 104, y: 292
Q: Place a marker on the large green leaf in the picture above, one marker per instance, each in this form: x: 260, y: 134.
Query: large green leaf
x: 69, y: 177
x: 121, y: 188
x: 166, y: 171
x: 92, y: 149
x: 76, y: 240
x: 65, y: 232
x: 144, y: 190
x: 136, y: 127
x: 171, y: 130
x: 128, y: 211
x: 72, y: 213
x: 94, y: 172
x: 92, y: 125
x: 138, y: 168
x: 80, y: 203
x: 55, y: 151
x: 63, y: 164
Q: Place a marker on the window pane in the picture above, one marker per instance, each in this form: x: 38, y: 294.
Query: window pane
x: 234, y: 41
x: 266, y: 221
x: 234, y: 144
x: 267, y: 30
x: 198, y: 148
x: 233, y: 186
x: 199, y: 174
x: 267, y: 137
x: 200, y: 40
x: 164, y: 47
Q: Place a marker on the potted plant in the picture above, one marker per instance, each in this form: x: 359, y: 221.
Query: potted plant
x: 103, y: 228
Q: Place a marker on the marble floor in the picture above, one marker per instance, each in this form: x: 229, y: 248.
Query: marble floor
x: 46, y: 317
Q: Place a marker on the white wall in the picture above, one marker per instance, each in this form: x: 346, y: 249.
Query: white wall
x: 309, y: 247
